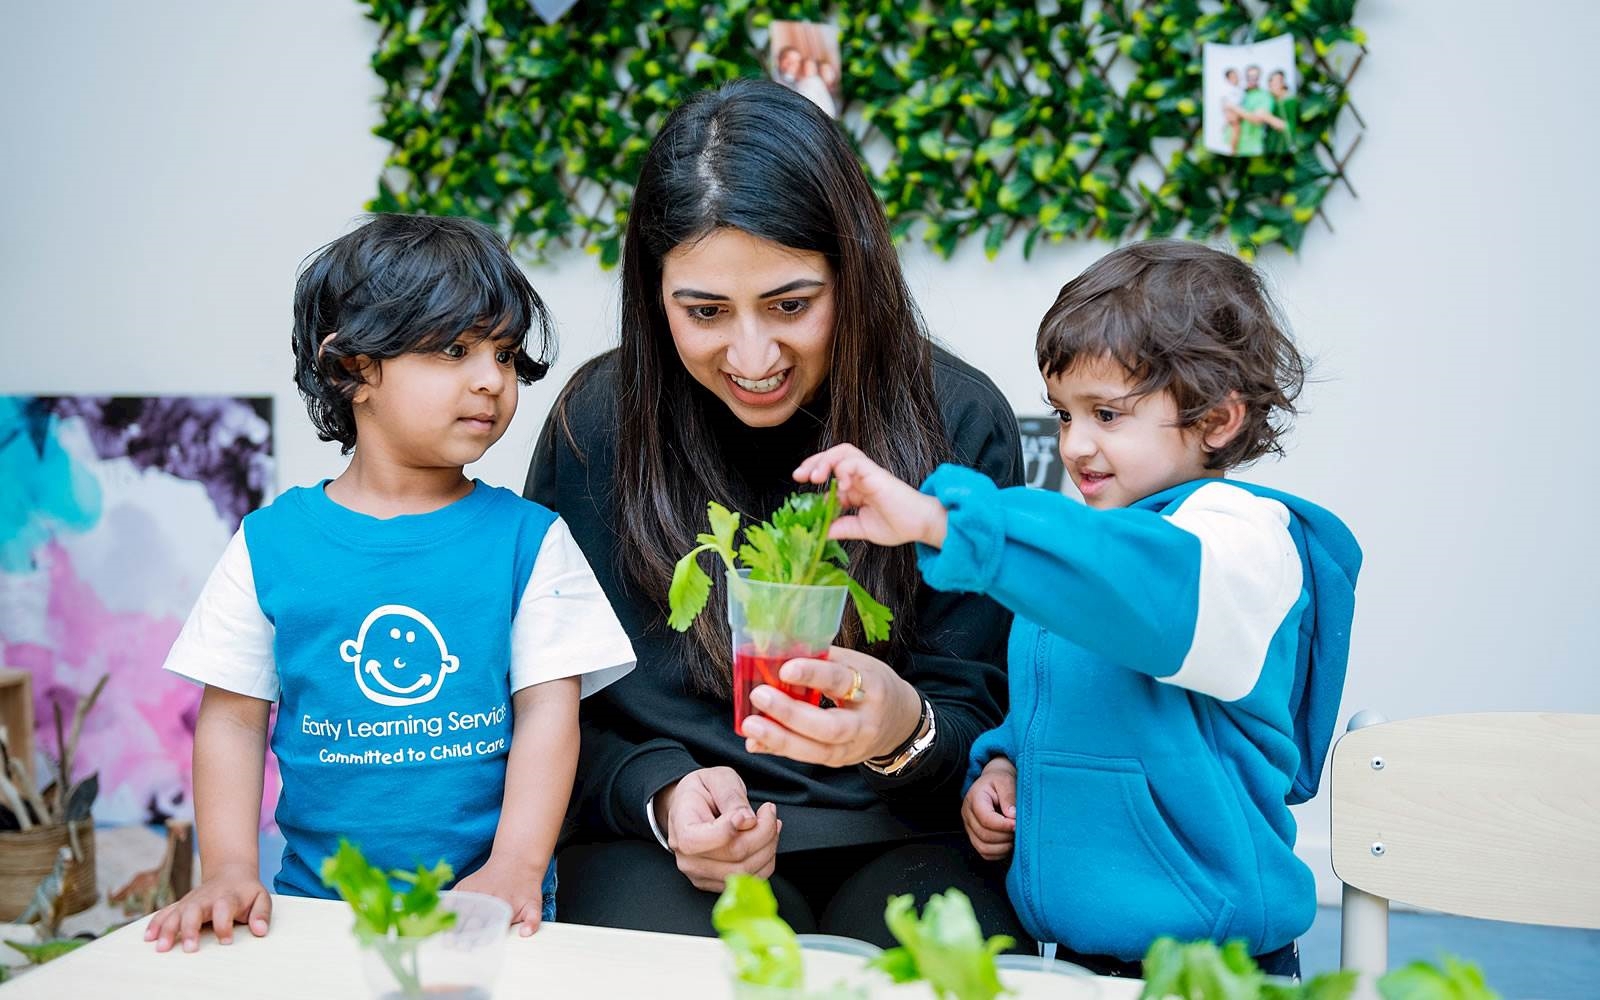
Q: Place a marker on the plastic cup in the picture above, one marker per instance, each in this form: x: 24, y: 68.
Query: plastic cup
x: 773, y: 623
x: 1087, y: 987
x: 458, y: 963
x: 838, y: 944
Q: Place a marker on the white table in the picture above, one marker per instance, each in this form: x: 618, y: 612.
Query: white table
x: 310, y: 952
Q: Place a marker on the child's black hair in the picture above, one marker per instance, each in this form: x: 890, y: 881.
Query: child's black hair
x: 402, y: 284
x: 1184, y: 318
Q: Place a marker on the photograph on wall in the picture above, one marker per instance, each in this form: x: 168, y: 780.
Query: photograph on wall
x: 116, y: 510
x: 804, y: 56
x: 1250, y: 93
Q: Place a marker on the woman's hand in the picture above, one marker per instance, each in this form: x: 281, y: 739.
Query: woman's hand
x: 232, y: 895
x: 875, y: 711
x: 887, y: 511
x: 989, y: 812
x: 517, y: 882
x: 712, y: 830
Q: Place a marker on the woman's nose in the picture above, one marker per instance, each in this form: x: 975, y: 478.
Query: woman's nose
x: 753, y: 351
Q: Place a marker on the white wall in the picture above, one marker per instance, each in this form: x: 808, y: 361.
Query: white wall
x: 167, y: 166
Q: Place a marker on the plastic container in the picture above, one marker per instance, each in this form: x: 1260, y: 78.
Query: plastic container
x: 773, y: 623
x: 460, y: 963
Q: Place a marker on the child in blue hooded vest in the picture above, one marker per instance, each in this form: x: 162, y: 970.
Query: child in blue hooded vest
x: 1180, y: 640
x: 425, y: 637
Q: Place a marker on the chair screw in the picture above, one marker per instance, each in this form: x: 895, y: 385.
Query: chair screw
x: 1377, y: 763
x: 1377, y: 848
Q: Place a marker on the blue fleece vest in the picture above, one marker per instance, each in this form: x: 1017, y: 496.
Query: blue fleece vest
x: 393, y: 647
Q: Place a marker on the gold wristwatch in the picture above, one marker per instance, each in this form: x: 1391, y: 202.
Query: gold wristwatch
x: 916, y: 746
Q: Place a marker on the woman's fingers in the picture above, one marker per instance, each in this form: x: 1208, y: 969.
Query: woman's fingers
x: 836, y: 680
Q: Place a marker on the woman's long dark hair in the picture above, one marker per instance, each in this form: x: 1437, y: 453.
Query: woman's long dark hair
x: 751, y: 155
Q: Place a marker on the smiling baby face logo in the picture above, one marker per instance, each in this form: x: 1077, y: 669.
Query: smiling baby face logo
x: 400, y: 658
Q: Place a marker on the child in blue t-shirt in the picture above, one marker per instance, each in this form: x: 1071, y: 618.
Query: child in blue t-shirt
x: 1180, y: 639
x: 425, y: 637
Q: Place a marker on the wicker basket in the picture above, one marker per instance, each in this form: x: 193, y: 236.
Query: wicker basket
x: 27, y: 856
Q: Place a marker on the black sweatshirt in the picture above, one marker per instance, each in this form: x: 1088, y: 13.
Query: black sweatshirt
x: 652, y: 728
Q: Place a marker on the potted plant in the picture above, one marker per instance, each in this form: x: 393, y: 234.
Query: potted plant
x: 944, y: 946
x: 768, y: 959
x: 38, y: 824
x: 418, y: 941
x: 1200, y: 970
x: 785, y: 600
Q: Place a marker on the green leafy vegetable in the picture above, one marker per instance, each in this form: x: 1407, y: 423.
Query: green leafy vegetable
x: 1457, y: 980
x: 392, y: 922
x: 1202, y: 971
x: 945, y: 946
x: 765, y: 949
x: 792, y: 548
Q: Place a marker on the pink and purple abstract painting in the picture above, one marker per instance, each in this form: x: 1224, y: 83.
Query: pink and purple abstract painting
x: 113, y: 512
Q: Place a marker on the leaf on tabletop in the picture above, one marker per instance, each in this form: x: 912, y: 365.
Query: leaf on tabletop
x: 764, y: 947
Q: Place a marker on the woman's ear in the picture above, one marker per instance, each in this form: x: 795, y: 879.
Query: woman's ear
x: 1219, y: 427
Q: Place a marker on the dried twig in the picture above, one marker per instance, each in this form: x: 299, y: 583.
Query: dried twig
x: 61, y: 763
x: 30, y: 793
x: 14, y: 803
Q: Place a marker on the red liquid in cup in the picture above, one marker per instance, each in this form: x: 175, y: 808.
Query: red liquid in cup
x: 751, y: 671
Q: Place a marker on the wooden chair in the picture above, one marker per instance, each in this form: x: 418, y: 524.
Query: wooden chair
x: 1494, y: 816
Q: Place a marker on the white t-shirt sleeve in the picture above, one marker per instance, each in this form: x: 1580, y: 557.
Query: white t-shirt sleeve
x: 564, y: 626
x: 227, y: 641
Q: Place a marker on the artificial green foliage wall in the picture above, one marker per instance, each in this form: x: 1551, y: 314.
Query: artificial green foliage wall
x: 975, y: 120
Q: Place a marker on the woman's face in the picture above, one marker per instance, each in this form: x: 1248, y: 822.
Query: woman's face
x: 752, y: 321
x: 1277, y: 85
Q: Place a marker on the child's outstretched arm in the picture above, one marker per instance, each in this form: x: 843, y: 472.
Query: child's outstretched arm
x: 1193, y: 598
x: 230, y: 740
x: 539, y: 772
x: 888, y: 511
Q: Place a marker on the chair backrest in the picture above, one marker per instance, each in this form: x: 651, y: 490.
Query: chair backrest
x: 1494, y: 816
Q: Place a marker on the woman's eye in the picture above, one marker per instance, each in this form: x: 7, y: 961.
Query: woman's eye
x: 455, y: 351
x: 792, y: 307
x: 704, y: 314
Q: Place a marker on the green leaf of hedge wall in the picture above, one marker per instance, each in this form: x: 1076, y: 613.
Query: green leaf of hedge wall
x: 1052, y: 120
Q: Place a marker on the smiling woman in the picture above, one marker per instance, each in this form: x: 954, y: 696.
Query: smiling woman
x: 764, y: 315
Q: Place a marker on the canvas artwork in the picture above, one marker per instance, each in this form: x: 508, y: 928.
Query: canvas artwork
x: 114, y: 511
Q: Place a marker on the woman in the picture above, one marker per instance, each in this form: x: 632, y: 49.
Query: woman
x: 1285, y: 111
x: 764, y: 316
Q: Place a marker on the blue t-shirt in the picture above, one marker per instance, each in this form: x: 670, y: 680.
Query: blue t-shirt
x: 395, y: 646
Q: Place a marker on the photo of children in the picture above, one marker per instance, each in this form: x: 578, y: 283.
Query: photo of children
x: 1251, y: 106
x: 805, y: 58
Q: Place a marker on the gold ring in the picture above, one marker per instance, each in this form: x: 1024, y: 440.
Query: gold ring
x: 854, y: 694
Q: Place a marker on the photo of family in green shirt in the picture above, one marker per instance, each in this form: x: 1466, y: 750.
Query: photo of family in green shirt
x: 1251, y: 106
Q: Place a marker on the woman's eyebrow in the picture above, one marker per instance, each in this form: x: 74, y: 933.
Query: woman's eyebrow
x: 793, y: 286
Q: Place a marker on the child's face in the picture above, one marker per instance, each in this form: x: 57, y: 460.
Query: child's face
x: 438, y: 410
x: 1117, y: 449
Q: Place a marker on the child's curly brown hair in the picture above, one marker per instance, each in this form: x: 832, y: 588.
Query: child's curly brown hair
x: 1187, y: 319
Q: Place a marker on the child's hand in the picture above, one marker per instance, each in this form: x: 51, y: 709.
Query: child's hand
x: 521, y: 885
x: 234, y: 894
x: 989, y: 811
x: 887, y: 511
